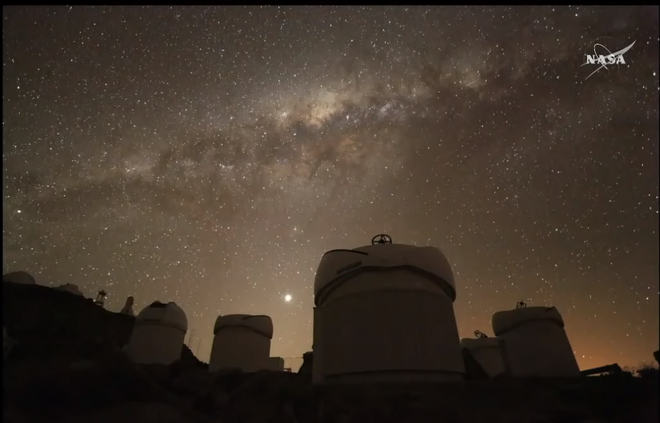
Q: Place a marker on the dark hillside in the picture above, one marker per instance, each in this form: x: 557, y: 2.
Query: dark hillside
x: 50, y: 322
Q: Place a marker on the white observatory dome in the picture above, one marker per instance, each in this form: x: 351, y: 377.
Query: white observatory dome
x: 535, y: 342
x: 71, y: 288
x: 241, y: 341
x: 384, y: 312
x: 487, y: 352
x: 20, y: 277
x: 158, y: 334
x: 165, y: 314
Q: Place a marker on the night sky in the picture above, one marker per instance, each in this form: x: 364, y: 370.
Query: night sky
x: 210, y: 156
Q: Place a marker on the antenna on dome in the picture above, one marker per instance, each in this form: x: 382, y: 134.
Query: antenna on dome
x: 100, y: 298
x: 479, y: 334
x: 381, y: 239
x: 128, y: 307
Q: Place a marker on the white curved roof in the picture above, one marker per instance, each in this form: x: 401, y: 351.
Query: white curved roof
x: 23, y: 278
x: 70, y: 287
x: 261, y: 324
x: 335, y: 263
x: 166, y: 314
x: 504, y: 321
x: 476, y: 343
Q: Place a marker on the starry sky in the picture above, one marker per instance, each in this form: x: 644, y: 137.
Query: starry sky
x: 211, y: 155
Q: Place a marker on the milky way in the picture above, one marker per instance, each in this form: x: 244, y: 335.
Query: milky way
x: 210, y: 156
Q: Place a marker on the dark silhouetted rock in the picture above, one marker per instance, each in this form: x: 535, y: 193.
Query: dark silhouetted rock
x: 45, y: 321
x: 308, y: 363
x: 19, y: 277
x: 189, y: 362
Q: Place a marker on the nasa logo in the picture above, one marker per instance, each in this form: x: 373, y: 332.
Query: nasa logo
x: 605, y: 60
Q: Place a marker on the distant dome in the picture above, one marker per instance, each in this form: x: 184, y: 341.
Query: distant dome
x: 69, y: 287
x: 487, y: 353
x: 504, y: 321
x: 158, y: 334
x: 168, y: 314
x: 476, y: 343
x: 242, y: 341
x: 535, y: 343
x: 261, y: 324
x: 19, y: 277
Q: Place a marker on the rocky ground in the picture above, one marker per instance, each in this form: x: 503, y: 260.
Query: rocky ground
x: 67, y: 370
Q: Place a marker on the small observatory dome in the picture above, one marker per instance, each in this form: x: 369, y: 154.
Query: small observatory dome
x: 535, y: 342
x: 20, y: 277
x: 486, y: 352
x: 241, y: 341
x: 275, y: 364
x: 71, y: 288
x: 158, y: 334
x: 385, y: 312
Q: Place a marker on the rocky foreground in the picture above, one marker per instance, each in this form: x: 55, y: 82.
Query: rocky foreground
x: 68, y: 367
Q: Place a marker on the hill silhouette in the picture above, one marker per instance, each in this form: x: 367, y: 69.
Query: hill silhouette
x: 68, y: 366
